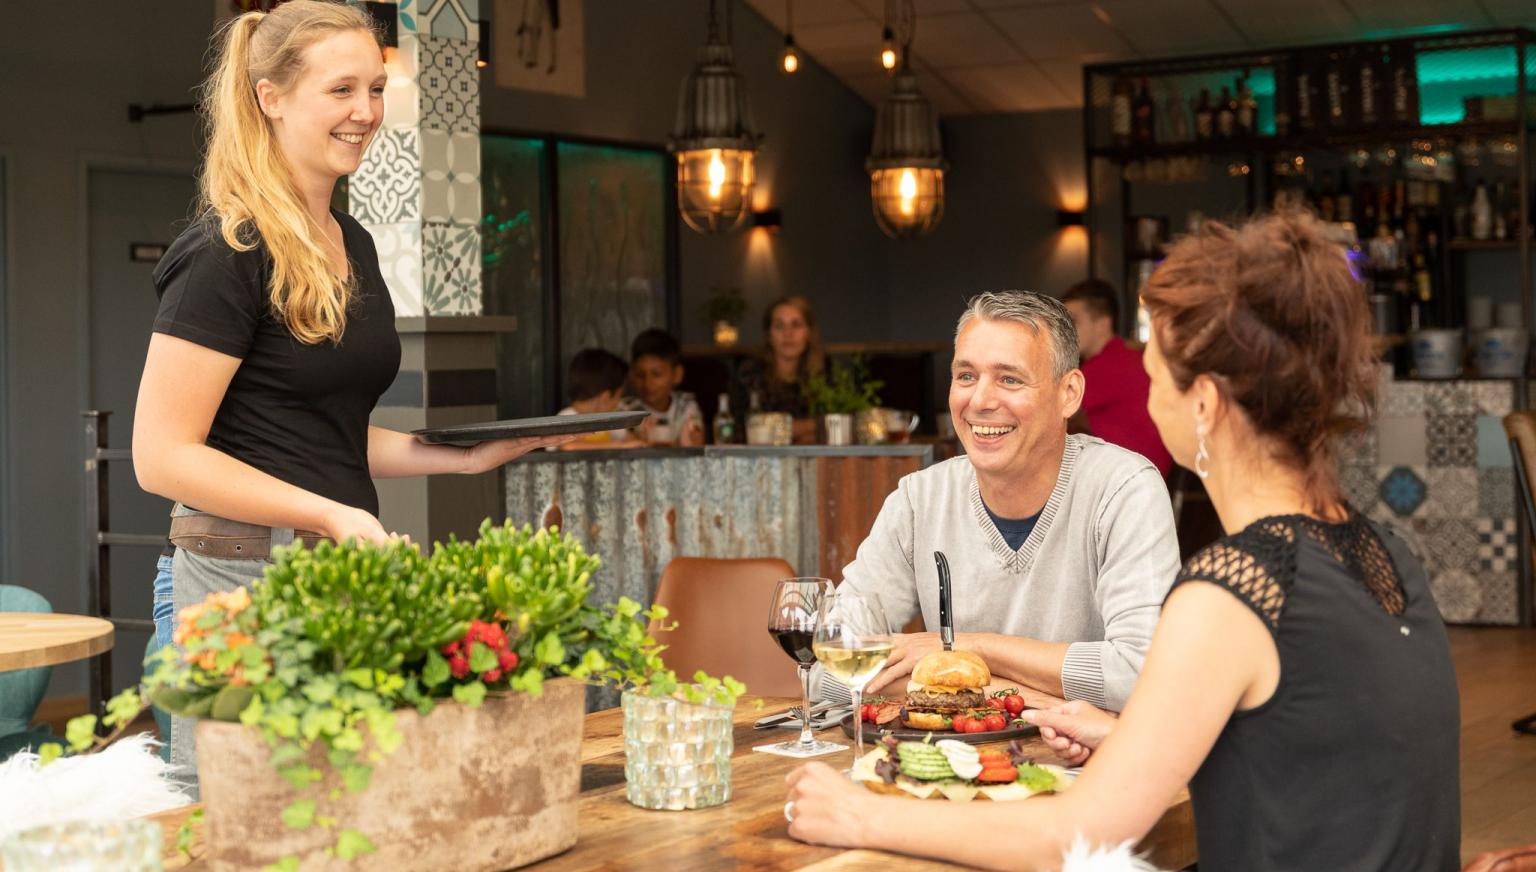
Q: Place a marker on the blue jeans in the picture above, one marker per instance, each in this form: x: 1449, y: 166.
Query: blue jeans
x: 164, y: 612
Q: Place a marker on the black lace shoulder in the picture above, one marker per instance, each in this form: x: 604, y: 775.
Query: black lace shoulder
x: 1258, y: 563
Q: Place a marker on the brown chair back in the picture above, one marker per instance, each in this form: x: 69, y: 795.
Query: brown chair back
x: 721, y: 609
x: 1520, y: 427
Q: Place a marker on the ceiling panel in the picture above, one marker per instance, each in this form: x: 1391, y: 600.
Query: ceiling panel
x: 1019, y: 87
x: 876, y: 8
x: 810, y: 12
x: 1067, y: 75
x: 1512, y: 13
x: 953, y: 40
x: 1170, y: 27
x: 841, y: 38
x: 1055, y: 31
x: 1379, y: 15
x: 1267, y: 23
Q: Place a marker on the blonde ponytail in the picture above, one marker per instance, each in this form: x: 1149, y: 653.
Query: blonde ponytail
x: 247, y: 183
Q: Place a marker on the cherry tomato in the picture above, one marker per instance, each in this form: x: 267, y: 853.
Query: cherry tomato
x: 866, y: 712
x: 994, y: 702
x: 961, y: 724
x: 976, y: 725
x: 995, y: 721
x: 1013, y: 704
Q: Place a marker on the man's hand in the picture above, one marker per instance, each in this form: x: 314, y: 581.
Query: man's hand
x: 906, y: 650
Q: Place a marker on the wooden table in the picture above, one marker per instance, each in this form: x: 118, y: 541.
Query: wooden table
x: 747, y: 832
x: 29, y: 639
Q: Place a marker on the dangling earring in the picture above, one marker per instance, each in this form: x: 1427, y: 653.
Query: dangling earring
x: 1202, y: 456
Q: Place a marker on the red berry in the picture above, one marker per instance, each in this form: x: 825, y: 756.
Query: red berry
x: 507, y: 660
x: 459, y: 666
x: 491, y: 675
x: 450, y: 648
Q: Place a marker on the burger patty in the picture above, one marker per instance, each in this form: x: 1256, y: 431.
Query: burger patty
x: 927, y: 700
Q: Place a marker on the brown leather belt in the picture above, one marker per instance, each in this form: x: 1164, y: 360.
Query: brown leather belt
x: 212, y: 536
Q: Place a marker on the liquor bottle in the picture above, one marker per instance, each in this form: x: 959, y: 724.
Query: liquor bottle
x: 1370, y: 86
x: 1403, y: 86
x: 1335, y: 91
x: 1500, y: 200
x: 1176, y: 118
x: 1143, y: 115
x: 1423, y: 281
x: 1204, y: 118
x: 1247, y: 109
x: 725, y: 422
x: 1481, y: 212
x: 1304, y: 106
x: 1120, y: 112
x: 1226, y: 114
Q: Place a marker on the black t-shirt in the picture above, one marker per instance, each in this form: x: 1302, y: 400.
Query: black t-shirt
x: 294, y: 411
x: 1353, y: 763
x: 1014, y: 530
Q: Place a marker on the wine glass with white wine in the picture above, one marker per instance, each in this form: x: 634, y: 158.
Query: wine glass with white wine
x: 853, y: 643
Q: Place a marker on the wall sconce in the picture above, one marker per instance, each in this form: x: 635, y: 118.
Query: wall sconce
x: 386, y: 21
x: 768, y: 219
x: 1071, y: 218
x: 484, y: 45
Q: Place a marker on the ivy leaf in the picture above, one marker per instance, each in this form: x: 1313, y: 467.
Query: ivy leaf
x: 549, y: 650
x: 300, y: 775
x: 356, y: 777
x: 299, y: 814
x: 471, y: 694
x: 81, y: 732
x: 436, y: 671
x: 351, y: 844
x: 287, y: 864
x: 185, y: 833
x: 481, y: 658
x: 48, y: 752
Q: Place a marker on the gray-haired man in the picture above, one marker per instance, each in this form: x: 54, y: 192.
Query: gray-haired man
x: 1061, y: 548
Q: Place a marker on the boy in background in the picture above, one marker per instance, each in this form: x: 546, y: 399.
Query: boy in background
x: 655, y: 371
x: 595, y: 383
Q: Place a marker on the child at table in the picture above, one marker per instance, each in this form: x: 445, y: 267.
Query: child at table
x: 595, y: 383
x: 655, y: 371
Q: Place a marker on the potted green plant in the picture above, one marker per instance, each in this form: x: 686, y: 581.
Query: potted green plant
x: 426, y: 711
x: 724, y: 308
x: 836, y: 396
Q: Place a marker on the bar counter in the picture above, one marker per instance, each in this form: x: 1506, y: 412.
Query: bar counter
x: 809, y: 504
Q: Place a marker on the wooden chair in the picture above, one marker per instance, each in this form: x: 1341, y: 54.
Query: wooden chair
x: 721, y: 608
x: 1520, y: 427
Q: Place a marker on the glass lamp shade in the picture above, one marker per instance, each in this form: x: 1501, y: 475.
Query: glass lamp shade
x: 908, y: 201
x: 714, y: 187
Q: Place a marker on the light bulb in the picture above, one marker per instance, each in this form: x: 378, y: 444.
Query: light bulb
x: 888, y: 50
x: 907, y: 188
x: 716, y: 174
x: 790, y: 58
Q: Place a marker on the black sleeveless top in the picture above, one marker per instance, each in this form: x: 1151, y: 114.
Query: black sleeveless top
x: 1353, y: 763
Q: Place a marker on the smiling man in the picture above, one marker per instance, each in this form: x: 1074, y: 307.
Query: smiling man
x: 1061, y: 548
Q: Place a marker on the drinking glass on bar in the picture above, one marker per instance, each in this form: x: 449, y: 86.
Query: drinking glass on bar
x: 792, y: 623
x: 853, y: 643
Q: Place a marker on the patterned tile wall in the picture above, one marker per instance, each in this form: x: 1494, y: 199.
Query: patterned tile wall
x: 1436, y: 465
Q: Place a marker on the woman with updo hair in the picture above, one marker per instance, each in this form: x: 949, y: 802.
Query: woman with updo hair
x: 276, y: 335
x: 1300, y: 680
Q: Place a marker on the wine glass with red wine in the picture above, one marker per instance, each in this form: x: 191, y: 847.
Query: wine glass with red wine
x: 792, y: 623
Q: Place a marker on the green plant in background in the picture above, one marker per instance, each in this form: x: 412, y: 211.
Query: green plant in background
x: 843, y: 389
x: 724, y: 304
x: 333, y: 641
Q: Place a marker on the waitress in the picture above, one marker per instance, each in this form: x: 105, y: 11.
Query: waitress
x: 275, y: 335
x: 791, y: 353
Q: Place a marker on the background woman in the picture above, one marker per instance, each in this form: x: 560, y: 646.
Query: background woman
x: 1300, y: 679
x: 276, y: 334
x: 791, y: 353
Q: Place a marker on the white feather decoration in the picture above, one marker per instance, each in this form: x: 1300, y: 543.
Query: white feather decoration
x: 1083, y: 857
x: 125, y: 780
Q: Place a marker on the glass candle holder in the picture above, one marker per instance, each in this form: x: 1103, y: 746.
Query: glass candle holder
x: 85, y: 846
x: 677, y: 755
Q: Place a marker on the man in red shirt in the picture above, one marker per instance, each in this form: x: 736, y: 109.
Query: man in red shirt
x: 1115, y: 394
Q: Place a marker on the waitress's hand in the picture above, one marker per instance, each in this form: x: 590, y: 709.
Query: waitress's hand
x: 346, y: 522
x: 489, y: 455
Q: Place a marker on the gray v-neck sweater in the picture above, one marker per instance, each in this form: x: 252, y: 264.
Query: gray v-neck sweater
x: 1093, y: 572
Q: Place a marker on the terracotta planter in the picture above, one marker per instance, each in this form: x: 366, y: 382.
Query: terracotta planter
x: 468, y: 789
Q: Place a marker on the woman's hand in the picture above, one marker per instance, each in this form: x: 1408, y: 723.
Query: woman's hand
x: 1073, y: 729
x: 825, y: 808
x: 489, y: 455
x: 346, y: 522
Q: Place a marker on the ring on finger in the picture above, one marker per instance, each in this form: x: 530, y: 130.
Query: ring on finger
x: 789, y: 811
